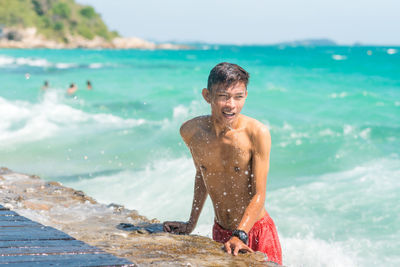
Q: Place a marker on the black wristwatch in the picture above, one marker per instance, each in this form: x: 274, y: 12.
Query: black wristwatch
x: 241, y: 235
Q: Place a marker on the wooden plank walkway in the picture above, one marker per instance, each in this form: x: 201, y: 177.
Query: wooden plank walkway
x: 27, y: 243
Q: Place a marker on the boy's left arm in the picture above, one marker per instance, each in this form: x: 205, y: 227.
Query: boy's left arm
x: 260, y: 166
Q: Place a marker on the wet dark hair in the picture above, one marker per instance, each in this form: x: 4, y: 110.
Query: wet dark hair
x: 227, y: 74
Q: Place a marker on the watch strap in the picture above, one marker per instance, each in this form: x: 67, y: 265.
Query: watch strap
x: 242, y: 235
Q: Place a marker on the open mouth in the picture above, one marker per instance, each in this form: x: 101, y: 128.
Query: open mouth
x: 228, y: 114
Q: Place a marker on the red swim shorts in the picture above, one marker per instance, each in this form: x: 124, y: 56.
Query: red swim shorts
x: 262, y: 237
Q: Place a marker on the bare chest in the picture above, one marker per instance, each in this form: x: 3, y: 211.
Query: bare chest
x: 231, y: 153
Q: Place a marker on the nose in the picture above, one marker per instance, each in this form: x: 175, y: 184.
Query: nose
x: 230, y: 102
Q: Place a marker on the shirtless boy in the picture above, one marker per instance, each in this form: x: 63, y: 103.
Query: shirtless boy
x: 231, y: 155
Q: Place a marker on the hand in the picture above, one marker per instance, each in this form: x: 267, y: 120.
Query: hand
x: 180, y: 228
x: 234, y: 245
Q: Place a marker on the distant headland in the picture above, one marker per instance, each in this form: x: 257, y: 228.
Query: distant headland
x: 309, y: 42
x: 60, y: 24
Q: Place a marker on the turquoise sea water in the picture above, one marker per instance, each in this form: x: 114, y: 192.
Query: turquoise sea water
x: 333, y: 112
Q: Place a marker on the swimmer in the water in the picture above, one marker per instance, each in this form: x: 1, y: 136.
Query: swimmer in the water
x: 89, y: 85
x: 45, y: 85
x: 72, y: 89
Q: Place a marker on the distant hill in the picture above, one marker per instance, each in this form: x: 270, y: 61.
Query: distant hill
x: 310, y: 42
x: 61, y: 24
x: 58, y: 20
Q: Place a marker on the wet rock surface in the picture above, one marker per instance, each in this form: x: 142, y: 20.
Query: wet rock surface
x: 82, y: 217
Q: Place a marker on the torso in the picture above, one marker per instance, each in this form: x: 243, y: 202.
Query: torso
x: 225, y: 162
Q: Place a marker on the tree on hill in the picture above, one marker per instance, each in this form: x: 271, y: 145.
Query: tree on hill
x: 55, y: 19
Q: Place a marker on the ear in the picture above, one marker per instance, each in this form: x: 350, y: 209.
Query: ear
x: 206, y: 95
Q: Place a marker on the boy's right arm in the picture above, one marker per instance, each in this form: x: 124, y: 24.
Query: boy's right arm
x: 200, y: 191
x: 200, y: 195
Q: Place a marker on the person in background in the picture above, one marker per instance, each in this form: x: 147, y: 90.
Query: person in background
x: 72, y: 89
x: 45, y: 85
x: 89, y: 85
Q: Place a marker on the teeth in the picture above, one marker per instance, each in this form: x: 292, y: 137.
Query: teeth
x: 227, y: 113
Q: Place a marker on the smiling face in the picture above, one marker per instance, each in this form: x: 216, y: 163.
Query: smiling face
x: 226, y: 103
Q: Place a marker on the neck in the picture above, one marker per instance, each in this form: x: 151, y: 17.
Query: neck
x: 221, y: 128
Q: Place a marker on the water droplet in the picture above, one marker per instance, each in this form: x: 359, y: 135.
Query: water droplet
x: 246, y: 172
x: 197, y: 208
x: 235, y: 220
x: 228, y: 210
x: 224, y: 193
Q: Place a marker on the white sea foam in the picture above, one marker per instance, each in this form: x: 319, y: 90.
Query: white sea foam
x: 287, y: 126
x: 65, y: 65
x: 341, y: 219
x: 4, y: 60
x: 364, y: 133
x: 327, y: 132
x: 182, y: 113
x: 338, y: 95
x: 339, y: 57
x: 8, y: 61
x: 161, y: 190
x: 310, y: 251
x: 95, y: 65
x: 27, y: 122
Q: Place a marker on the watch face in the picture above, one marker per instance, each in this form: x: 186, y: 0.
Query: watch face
x: 241, y: 235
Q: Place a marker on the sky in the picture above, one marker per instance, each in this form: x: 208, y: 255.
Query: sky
x: 346, y: 22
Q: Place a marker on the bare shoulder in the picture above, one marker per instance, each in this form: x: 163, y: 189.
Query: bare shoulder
x: 192, y: 126
x: 258, y: 132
